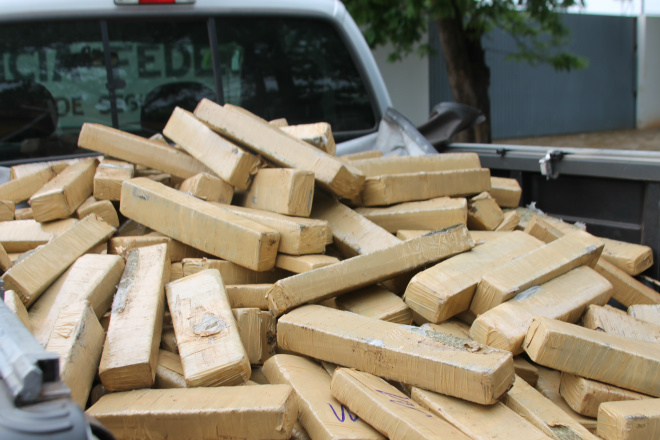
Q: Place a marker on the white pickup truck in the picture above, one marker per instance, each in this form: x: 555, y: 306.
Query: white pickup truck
x: 127, y: 63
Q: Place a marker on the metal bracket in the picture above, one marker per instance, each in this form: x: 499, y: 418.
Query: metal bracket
x: 501, y: 152
x: 547, y: 164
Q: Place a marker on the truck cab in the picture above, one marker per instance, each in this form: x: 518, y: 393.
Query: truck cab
x: 127, y: 65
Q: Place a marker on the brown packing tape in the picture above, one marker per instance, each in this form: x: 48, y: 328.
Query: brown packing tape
x: 585, y: 395
x: 452, y: 327
x: 320, y: 414
x: 352, y: 232
x: 224, y: 158
x: 62, y: 195
x: 564, y: 298
x: 354, y: 235
x: 388, y: 189
x: 479, y: 237
x: 545, y: 414
x: 24, y: 214
x: 254, y: 412
x: 232, y: 273
x: 281, y: 190
x: 303, y: 263
x: 235, y: 238
x: 629, y: 257
x: 478, y: 421
x: 387, y: 409
x: 459, y: 329
x: 99, y: 249
x: 25, y: 235
x: 138, y: 150
x: 525, y: 370
x: 466, y: 317
x: 505, y: 191
x: 631, y: 420
x: 77, y: 338
x: 407, y: 234
x: 257, y: 331
x: 22, y: 188
x: 509, y: 222
x: 447, y: 288
x: 208, y: 187
x: 483, y: 213
x: 411, y: 355
x: 130, y: 357
x: 430, y: 214
x: 372, y: 154
x: 537, y: 267
x: 527, y: 214
x: 19, y: 171
x: 168, y: 341
x: 544, y: 229
x: 646, y: 312
x: 299, y: 433
x: 177, y: 250
x: 131, y: 228
x: 169, y: 372
x: 14, y: 303
x: 32, y: 276
x: 376, y: 302
x: 318, y: 134
x: 298, y: 235
x: 91, y: 278
x: 595, y: 355
x: 367, y: 269
x: 207, y: 335
x: 413, y: 164
x: 176, y: 271
x: 627, y: 290
x: 615, y: 322
x: 7, y: 210
x: 548, y: 385
x: 104, y: 209
x: 110, y: 174
x: 248, y: 295
x: 279, y: 147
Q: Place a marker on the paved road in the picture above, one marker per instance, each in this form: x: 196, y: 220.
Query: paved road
x: 620, y: 139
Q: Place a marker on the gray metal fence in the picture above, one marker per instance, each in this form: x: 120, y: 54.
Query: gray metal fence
x: 536, y: 100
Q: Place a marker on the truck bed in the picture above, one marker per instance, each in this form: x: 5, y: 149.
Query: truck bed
x: 616, y: 193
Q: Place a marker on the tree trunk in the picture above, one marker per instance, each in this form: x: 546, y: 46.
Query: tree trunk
x: 469, y: 76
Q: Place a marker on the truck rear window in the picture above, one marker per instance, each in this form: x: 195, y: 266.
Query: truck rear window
x: 54, y: 80
x: 51, y: 82
x: 294, y: 68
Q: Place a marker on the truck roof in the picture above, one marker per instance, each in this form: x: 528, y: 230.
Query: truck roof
x: 53, y: 9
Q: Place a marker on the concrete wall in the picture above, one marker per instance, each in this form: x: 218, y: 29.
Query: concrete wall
x: 648, y: 72
x: 537, y: 100
x: 413, y: 92
x: 408, y: 83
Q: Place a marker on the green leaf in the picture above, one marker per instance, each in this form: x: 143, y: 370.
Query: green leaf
x: 535, y: 25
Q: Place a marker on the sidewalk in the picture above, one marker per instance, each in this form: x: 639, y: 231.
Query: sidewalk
x: 648, y: 139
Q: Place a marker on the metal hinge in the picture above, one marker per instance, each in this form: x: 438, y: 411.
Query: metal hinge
x: 547, y: 164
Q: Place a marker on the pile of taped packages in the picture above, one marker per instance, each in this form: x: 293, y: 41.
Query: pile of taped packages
x: 233, y: 278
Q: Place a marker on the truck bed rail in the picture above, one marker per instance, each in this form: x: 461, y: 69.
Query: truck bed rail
x: 616, y: 193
